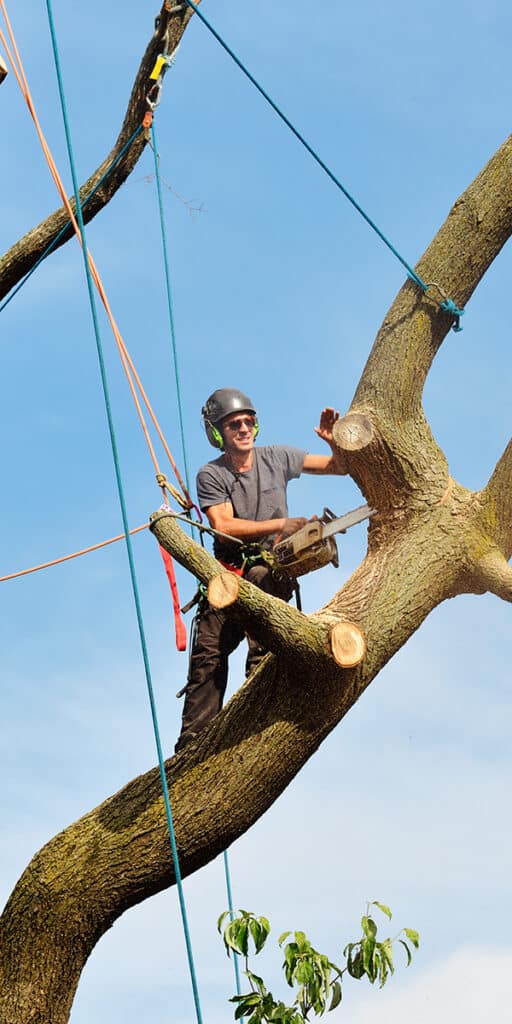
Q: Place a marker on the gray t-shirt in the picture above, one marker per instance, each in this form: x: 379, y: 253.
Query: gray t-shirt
x: 258, y: 494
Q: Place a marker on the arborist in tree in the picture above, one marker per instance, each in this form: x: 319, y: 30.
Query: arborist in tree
x: 243, y: 493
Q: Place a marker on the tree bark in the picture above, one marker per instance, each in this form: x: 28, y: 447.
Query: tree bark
x: 430, y: 539
x: 22, y: 256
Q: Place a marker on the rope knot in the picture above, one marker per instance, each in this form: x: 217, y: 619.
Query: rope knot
x: 449, y: 306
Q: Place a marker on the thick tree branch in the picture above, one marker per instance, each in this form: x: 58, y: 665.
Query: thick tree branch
x: 385, y: 440
x: 278, y: 626
x: 18, y: 260
x: 495, y: 575
x: 497, y: 502
x: 473, y: 234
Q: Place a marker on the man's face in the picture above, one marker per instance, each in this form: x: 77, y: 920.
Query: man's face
x: 238, y: 431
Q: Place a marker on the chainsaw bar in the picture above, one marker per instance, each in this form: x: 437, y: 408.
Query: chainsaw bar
x: 314, y: 545
x: 341, y: 523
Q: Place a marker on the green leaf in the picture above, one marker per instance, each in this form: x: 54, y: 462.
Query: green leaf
x: 301, y: 941
x: 221, y: 919
x: 258, y: 934
x: 383, y: 971
x: 387, y: 952
x: 367, y: 948
x: 413, y: 936
x: 369, y: 927
x: 282, y: 937
x: 374, y: 966
x: 407, y: 950
x: 256, y: 981
x: 304, y: 972
x: 265, y: 924
x: 382, y: 906
x: 242, y: 938
x: 355, y: 966
x: 318, y: 1003
x: 268, y: 1004
x: 230, y: 935
x: 241, y: 1011
x: 290, y: 954
x: 336, y: 996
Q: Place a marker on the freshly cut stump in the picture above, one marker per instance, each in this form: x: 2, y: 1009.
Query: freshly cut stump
x: 348, y: 644
x: 223, y: 589
x: 353, y: 432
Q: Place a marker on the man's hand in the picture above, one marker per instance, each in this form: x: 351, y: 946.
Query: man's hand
x: 291, y: 526
x: 328, y: 418
x: 334, y: 463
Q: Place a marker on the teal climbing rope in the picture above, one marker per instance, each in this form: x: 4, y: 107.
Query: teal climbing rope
x: 163, y: 231
x: 170, y: 305
x: 106, y: 394
x: 446, y: 304
x: 67, y: 225
x: 231, y: 918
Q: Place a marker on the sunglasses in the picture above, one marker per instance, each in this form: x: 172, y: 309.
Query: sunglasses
x: 242, y: 421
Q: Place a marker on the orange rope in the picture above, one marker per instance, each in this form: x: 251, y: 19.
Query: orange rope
x: 76, y: 554
x: 126, y: 359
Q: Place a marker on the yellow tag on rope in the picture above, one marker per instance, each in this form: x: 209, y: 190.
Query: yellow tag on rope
x: 157, y: 70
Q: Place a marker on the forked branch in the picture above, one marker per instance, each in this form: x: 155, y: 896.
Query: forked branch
x: 20, y: 259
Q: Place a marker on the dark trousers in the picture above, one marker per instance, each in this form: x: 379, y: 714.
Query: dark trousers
x: 217, y: 636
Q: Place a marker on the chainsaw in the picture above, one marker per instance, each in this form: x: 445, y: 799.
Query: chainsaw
x: 314, y: 545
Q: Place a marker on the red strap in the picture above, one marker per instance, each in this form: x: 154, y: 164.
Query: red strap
x: 232, y: 568
x: 181, y: 629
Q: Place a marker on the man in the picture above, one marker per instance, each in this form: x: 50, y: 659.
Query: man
x: 243, y: 493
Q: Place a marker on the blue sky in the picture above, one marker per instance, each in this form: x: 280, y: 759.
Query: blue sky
x: 279, y: 289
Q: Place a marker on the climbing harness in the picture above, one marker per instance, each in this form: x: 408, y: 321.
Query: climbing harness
x: 308, y: 549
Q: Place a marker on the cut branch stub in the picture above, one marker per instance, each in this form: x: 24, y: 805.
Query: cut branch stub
x: 223, y: 589
x: 382, y: 458
x: 353, y: 432
x: 347, y: 643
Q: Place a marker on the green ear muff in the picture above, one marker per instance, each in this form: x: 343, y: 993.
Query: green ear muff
x: 256, y: 429
x: 217, y: 436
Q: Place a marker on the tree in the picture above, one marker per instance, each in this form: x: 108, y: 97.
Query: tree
x: 431, y: 540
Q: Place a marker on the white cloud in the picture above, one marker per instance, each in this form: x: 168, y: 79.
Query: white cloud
x: 471, y: 985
